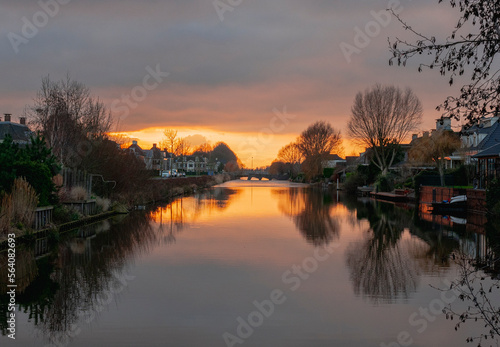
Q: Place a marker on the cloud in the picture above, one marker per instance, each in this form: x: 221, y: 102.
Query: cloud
x: 196, y: 140
x: 225, y: 76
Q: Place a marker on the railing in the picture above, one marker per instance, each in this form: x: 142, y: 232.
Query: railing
x: 43, y: 217
x: 84, y: 207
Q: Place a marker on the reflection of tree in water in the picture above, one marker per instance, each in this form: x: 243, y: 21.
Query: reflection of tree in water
x: 176, y: 215
x: 74, y: 278
x: 381, y: 267
x: 430, y: 249
x: 311, y: 212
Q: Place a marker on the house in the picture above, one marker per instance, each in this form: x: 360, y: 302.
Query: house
x: 488, y: 165
x: 332, y: 161
x: 137, y: 150
x: 20, y: 132
x: 154, y: 158
x: 479, y: 137
x: 191, y: 164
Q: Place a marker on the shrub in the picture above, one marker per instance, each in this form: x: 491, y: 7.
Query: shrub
x: 103, y: 204
x: 384, y: 183
x: 78, y: 193
x: 352, y: 182
x: 61, y: 214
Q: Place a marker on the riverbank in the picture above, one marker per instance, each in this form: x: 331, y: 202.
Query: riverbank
x: 156, y: 191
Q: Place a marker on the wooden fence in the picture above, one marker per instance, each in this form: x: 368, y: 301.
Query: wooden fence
x: 86, y: 208
x: 43, y: 217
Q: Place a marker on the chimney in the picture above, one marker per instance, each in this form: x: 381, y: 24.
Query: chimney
x: 22, y: 120
x: 7, y: 117
x: 426, y: 134
x: 154, y: 146
x: 414, y: 137
x: 134, y: 142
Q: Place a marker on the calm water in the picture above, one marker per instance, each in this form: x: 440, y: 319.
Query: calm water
x: 246, y: 263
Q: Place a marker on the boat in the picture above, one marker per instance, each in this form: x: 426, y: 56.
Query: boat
x: 456, y: 205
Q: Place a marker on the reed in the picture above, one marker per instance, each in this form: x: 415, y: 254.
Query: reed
x: 24, y: 202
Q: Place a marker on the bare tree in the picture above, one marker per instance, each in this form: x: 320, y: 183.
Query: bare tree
x: 461, y: 50
x: 291, y: 155
x: 66, y: 114
x: 435, y: 148
x: 182, y: 148
x: 170, y: 142
x: 315, y: 144
x: 381, y: 118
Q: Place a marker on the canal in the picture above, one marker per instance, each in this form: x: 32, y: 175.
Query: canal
x: 249, y: 263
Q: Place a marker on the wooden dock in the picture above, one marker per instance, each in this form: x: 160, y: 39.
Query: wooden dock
x: 394, y: 197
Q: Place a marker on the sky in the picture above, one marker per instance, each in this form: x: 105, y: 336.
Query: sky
x: 253, y: 74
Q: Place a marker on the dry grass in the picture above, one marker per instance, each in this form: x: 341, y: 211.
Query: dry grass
x: 78, y: 193
x: 19, y: 206
x: 24, y: 202
x: 103, y: 204
x: 6, y: 214
x: 58, y: 180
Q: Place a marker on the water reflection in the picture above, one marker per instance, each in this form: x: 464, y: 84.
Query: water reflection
x: 381, y: 265
x: 311, y: 211
x: 177, y: 215
x: 71, y: 278
x: 386, y: 249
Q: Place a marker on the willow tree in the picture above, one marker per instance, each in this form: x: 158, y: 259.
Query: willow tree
x: 470, y: 49
x: 315, y: 144
x: 381, y: 118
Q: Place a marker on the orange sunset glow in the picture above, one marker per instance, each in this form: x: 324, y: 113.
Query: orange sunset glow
x: 179, y: 65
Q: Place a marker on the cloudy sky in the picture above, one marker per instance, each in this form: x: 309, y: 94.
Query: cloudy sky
x: 251, y: 73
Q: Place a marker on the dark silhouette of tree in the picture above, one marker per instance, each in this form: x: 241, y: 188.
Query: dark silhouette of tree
x: 222, y: 153
x: 311, y: 211
x: 381, y: 267
x: 472, y: 45
x: 35, y: 163
x: 277, y: 168
x: 67, y: 115
x: 291, y: 155
x: 315, y: 144
x: 381, y: 118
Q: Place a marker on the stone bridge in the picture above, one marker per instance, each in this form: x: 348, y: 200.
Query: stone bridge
x: 260, y: 176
